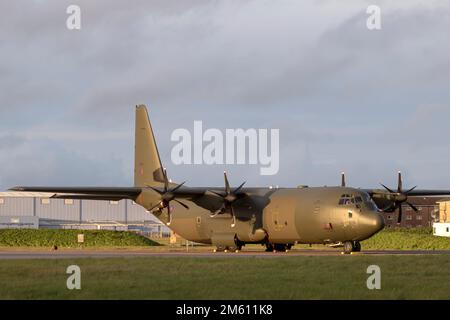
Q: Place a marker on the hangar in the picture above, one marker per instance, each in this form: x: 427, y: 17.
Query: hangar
x: 38, y: 210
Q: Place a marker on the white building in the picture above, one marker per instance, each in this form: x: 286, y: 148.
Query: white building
x: 442, y: 228
x: 38, y: 210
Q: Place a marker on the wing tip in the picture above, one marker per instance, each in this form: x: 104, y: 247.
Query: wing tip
x: 17, y: 189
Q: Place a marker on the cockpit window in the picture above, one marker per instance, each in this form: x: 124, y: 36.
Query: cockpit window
x: 346, y: 199
x: 359, y: 200
x: 349, y: 199
x: 371, y: 205
x: 366, y: 197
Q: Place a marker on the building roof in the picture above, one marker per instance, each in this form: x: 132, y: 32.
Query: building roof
x: 12, y: 194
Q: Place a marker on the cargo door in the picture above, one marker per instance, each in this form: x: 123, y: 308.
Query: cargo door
x: 279, y: 218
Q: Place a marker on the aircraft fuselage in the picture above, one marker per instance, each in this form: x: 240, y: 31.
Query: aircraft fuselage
x: 325, y: 215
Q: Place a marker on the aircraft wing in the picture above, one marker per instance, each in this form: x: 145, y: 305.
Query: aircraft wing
x: 413, y: 193
x: 199, y: 195
x: 88, y: 193
x: 386, y: 199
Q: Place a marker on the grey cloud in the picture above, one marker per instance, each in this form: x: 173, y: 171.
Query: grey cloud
x: 343, y: 98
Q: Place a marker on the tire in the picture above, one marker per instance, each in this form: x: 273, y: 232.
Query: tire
x: 280, y: 247
x: 348, y: 247
x: 269, y: 247
x: 356, y: 246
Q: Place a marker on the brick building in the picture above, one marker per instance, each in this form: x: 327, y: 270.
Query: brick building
x: 428, y: 213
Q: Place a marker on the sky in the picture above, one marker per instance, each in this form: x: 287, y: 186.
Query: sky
x: 344, y: 98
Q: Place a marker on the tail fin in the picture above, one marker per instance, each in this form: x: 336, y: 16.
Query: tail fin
x: 147, y: 164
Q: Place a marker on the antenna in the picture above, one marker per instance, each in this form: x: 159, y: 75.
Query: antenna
x: 343, y: 183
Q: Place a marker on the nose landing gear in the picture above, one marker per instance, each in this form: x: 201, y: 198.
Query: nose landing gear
x: 352, y: 246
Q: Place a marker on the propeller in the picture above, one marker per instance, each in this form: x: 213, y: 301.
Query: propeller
x: 167, y: 195
x: 343, y: 183
x: 398, y: 198
x: 229, y: 197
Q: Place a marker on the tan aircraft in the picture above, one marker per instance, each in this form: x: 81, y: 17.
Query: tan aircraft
x: 229, y: 218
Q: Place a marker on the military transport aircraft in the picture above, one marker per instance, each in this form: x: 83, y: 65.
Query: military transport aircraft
x: 228, y: 218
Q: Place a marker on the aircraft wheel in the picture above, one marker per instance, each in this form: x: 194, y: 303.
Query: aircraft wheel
x: 280, y: 248
x: 348, y: 247
x: 356, y: 246
x: 269, y: 247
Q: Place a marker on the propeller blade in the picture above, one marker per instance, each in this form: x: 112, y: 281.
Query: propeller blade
x: 213, y: 214
x: 410, y: 190
x: 155, y: 189
x: 239, y: 188
x: 178, y: 187
x: 343, y: 183
x: 217, y: 193
x: 169, y: 215
x: 400, y: 182
x: 389, y: 207
x: 181, y: 204
x: 227, y: 184
x: 412, y: 206
x: 233, y: 222
x: 155, y: 206
x: 387, y: 188
x: 166, y: 181
x: 400, y: 214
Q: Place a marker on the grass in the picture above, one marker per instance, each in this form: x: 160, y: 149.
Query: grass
x: 393, y: 239
x: 400, y: 239
x: 407, y: 239
x: 69, y: 238
x: 297, y: 277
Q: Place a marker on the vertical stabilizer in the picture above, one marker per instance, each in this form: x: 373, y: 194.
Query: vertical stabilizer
x: 147, y: 164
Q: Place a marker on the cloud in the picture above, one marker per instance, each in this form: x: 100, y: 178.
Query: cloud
x: 343, y: 97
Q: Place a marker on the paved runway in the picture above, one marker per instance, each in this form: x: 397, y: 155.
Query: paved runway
x: 76, y: 254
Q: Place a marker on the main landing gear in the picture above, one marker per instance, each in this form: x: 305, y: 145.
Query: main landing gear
x: 278, y: 247
x: 352, y: 246
x: 236, y: 249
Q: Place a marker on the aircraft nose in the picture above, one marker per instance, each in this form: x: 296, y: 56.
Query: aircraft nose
x: 371, y: 223
x: 378, y: 222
